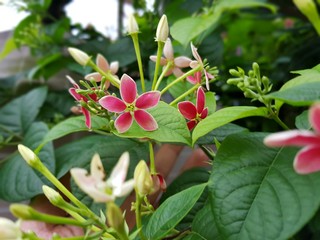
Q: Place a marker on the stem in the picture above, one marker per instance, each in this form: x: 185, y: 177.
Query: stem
x: 190, y: 72
x: 152, y: 162
x: 57, y: 220
x: 159, y: 53
x: 135, y: 40
x: 138, y: 216
x: 185, y: 94
x: 275, y: 117
x: 164, y: 71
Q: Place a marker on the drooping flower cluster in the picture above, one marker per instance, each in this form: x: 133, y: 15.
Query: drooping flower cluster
x: 308, y: 158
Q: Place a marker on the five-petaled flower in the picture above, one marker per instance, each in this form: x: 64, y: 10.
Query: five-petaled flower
x: 78, y: 97
x: 95, y: 184
x: 307, y: 159
x: 198, y: 62
x: 132, y: 107
x: 104, y: 66
x: 176, y: 63
x: 195, y: 79
x: 194, y: 113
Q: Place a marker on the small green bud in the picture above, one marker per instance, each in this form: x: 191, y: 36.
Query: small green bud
x: 256, y: 69
x: 234, y: 72
x: 28, y: 155
x: 53, y: 196
x: 142, y: 179
x: 250, y: 94
x: 234, y: 81
x: 115, y: 217
x: 22, y: 211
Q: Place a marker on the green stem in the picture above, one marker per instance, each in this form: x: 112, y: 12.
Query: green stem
x: 135, y: 40
x: 185, y: 94
x: 156, y: 71
x: 164, y: 71
x: 57, y: 220
x: 138, y: 216
x: 190, y: 72
x: 152, y: 162
x: 275, y: 117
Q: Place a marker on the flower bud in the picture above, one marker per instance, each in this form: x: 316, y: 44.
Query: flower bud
x: 256, y: 69
x: 9, y: 229
x: 162, y: 29
x: 115, y: 217
x: 159, y: 182
x: 79, y: 56
x: 53, y: 196
x: 132, y: 25
x: 28, y: 155
x: 234, y: 72
x: 142, y: 179
x: 22, y: 211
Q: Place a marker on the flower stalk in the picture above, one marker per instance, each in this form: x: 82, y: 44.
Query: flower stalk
x: 156, y: 70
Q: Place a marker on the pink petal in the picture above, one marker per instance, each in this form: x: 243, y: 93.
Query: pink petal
x: 201, y: 100
x: 292, y: 138
x: 112, y: 104
x: 168, y: 50
x: 314, y: 117
x: 145, y: 120
x: 194, y: 64
x: 177, y: 72
x: 74, y: 94
x: 75, y: 85
x: 187, y: 109
x: 204, y: 113
x: 95, y: 76
x: 191, y: 124
x: 207, y: 80
x: 307, y: 160
x: 196, y: 54
x: 114, y: 67
x: 148, y: 99
x: 163, y: 61
x: 86, y: 114
x: 192, y: 80
x: 128, y: 89
x: 182, y: 62
x: 123, y: 122
x: 102, y: 63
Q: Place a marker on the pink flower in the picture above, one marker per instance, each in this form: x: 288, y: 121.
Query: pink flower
x: 103, y: 64
x: 307, y: 159
x: 177, y: 63
x: 95, y: 185
x: 194, y: 113
x: 132, y: 107
x: 198, y: 62
x: 78, y: 97
x: 195, y: 79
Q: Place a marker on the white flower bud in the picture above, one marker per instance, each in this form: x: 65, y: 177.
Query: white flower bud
x: 28, y: 155
x: 162, y: 29
x: 81, y: 57
x: 132, y: 25
x: 9, y: 230
x: 142, y: 179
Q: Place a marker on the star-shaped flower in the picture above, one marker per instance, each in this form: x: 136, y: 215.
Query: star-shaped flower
x: 132, y: 106
x: 95, y: 184
x: 307, y: 159
x: 177, y: 63
x: 194, y: 113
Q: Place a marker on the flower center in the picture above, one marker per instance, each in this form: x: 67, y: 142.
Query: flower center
x: 130, y: 107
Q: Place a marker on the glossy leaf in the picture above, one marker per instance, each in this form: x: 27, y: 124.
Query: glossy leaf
x: 171, y: 212
x: 224, y: 116
x: 255, y: 192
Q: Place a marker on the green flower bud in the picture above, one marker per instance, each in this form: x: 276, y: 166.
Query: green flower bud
x: 115, y: 217
x: 53, y: 196
x: 142, y: 179
x: 28, y: 155
x: 22, y: 211
x: 234, y: 72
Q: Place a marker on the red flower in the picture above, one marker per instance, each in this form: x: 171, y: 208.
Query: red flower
x: 194, y: 113
x: 132, y: 107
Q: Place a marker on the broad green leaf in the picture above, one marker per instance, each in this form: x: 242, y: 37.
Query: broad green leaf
x: 18, y: 115
x: 302, y: 121
x: 171, y: 212
x: 79, y: 153
x: 71, y: 125
x: 299, y: 95
x: 172, y: 126
x: 255, y: 192
x: 227, y: 5
x: 224, y: 116
x: 18, y: 180
x: 8, y: 47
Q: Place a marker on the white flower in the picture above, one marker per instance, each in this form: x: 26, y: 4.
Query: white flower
x: 9, y: 230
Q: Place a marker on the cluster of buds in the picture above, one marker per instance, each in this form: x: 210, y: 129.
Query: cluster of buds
x: 253, y: 85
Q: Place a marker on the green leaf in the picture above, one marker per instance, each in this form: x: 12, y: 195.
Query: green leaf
x: 171, y: 212
x: 18, y: 115
x: 8, y: 47
x: 224, y: 116
x: 302, y: 121
x: 299, y: 95
x: 255, y: 192
x: 71, y: 125
x: 172, y: 126
x: 79, y: 153
x: 18, y: 180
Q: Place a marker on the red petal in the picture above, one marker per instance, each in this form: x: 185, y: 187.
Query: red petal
x: 102, y: 63
x: 148, y: 99
x: 314, y: 117
x: 204, y: 113
x: 112, y: 104
x: 201, y: 100
x: 145, y: 120
x: 86, y: 114
x: 292, y: 138
x: 123, y: 122
x: 307, y: 160
x: 191, y: 124
x: 128, y: 89
x: 187, y: 109
x: 74, y: 94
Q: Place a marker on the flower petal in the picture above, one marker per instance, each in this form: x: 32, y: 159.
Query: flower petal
x: 102, y: 63
x: 204, y: 113
x: 314, y: 117
x: 196, y: 54
x: 145, y: 120
x: 124, y: 189
x: 168, y: 50
x: 114, y: 67
x: 307, y: 160
x: 292, y: 138
x: 148, y: 100
x: 123, y: 122
x: 182, y: 62
x: 128, y: 89
x: 187, y: 109
x: 73, y: 82
x: 74, y: 94
x: 96, y: 168
x: 93, y: 76
x: 191, y: 124
x: 163, y: 61
x: 87, y: 116
x: 177, y: 72
x: 201, y: 100
x: 119, y: 172
x: 112, y: 104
